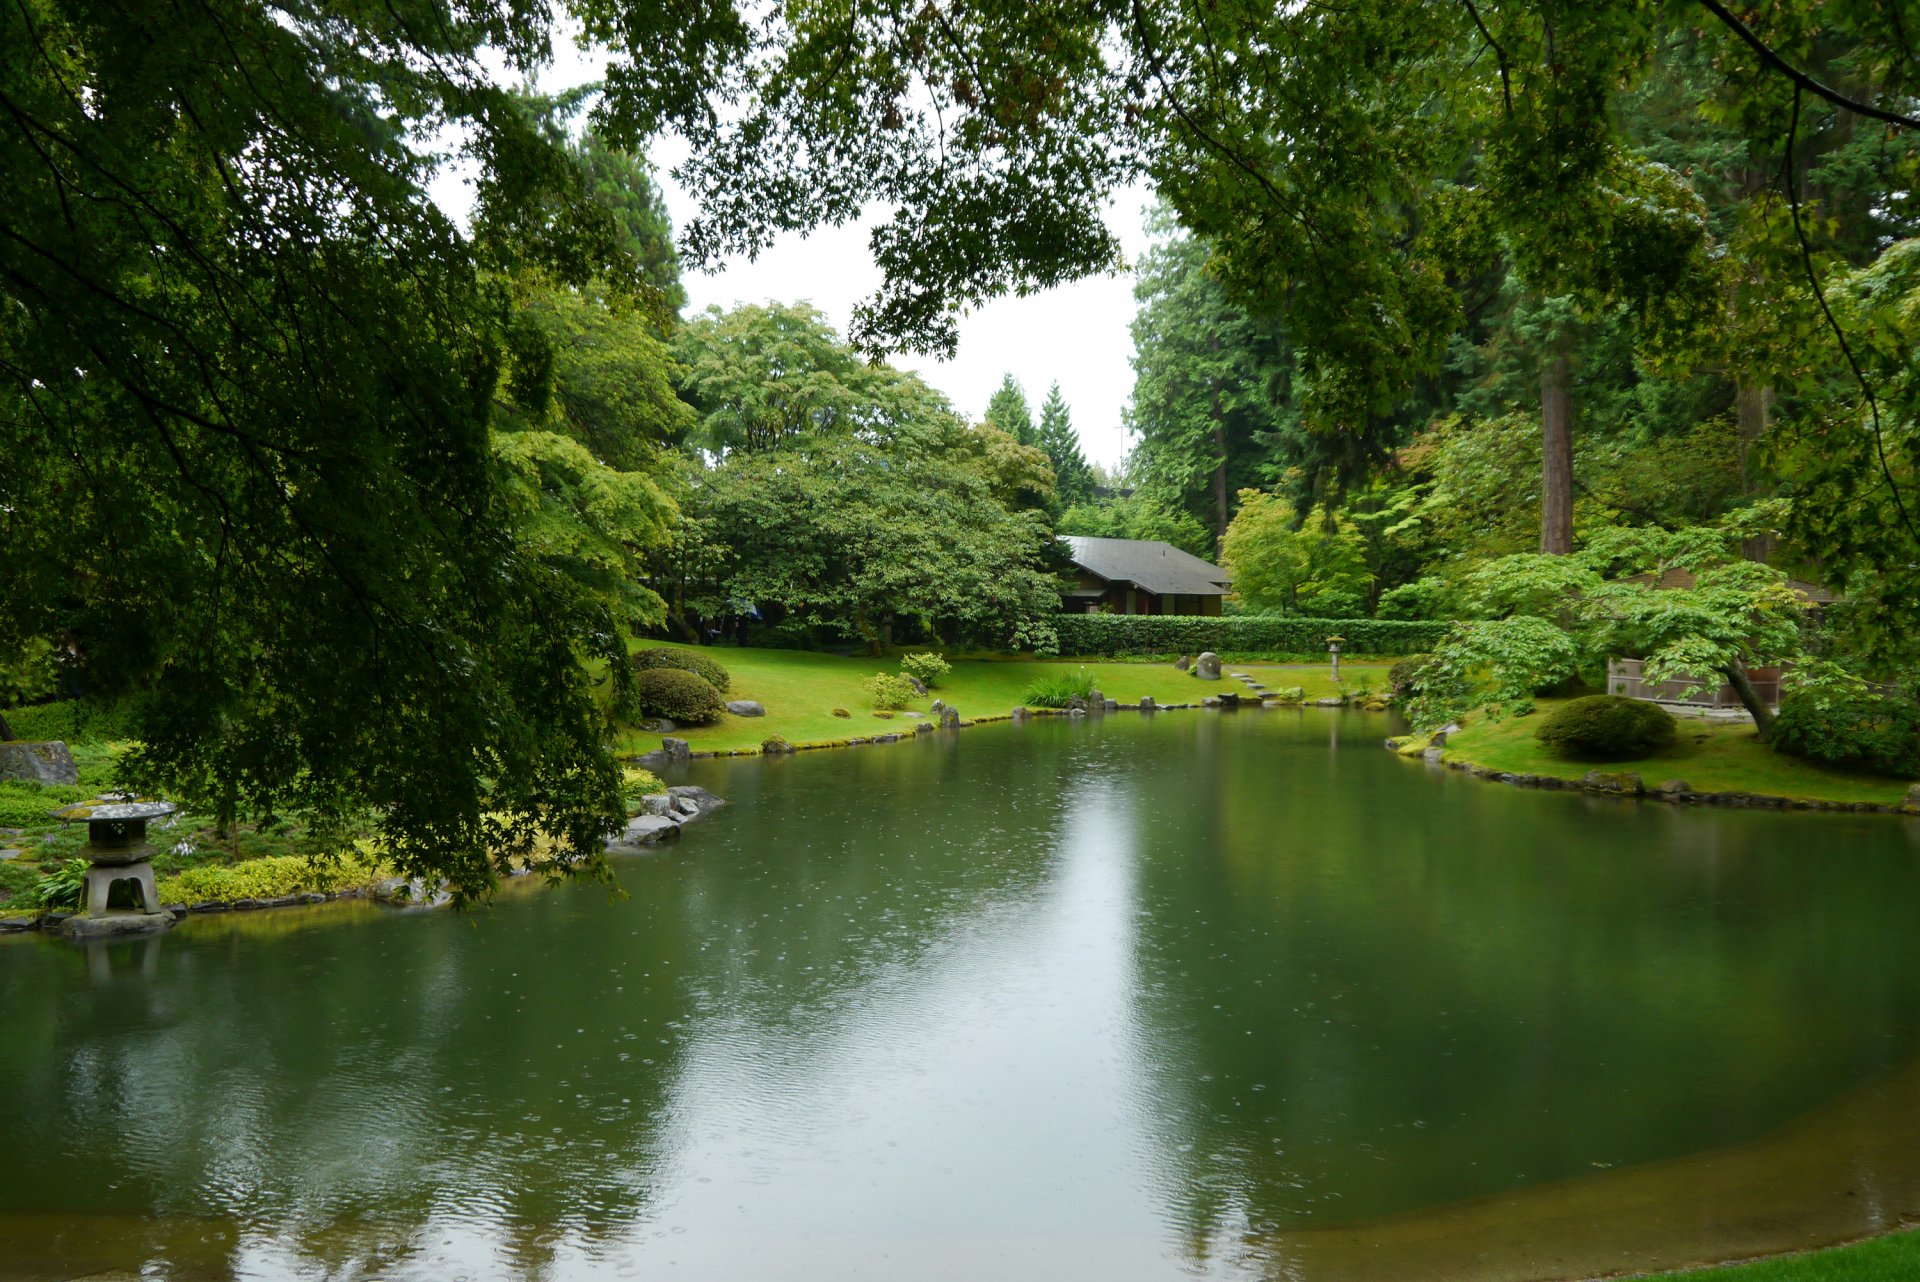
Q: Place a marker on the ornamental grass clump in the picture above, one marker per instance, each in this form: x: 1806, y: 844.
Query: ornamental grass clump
x: 678, y: 695
x: 1059, y: 689
x: 927, y: 669
x: 1607, y: 727
x: 663, y: 657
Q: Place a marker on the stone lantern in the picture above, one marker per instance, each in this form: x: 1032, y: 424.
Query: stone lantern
x: 1333, y: 648
x: 117, y: 850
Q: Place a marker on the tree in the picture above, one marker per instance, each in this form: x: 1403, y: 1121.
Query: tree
x: 1210, y: 385
x: 1282, y: 564
x: 1007, y: 411
x: 771, y: 376
x: 1072, y: 478
x: 247, y: 379
x: 1685, y: 601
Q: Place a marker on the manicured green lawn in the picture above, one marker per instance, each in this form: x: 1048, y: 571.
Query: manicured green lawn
x: 800, y: 690
x: 1712, y: 756
x: 1894, y: 1258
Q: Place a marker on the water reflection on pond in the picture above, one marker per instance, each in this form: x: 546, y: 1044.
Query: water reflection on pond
x: 1237, y: 996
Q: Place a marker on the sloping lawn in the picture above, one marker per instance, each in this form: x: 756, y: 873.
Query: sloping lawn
x: 1894, y: 1258
x: 1712, y: 756
x: 800, y: 690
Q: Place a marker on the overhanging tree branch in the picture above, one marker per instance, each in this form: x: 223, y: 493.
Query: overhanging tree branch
x: 1802, y: 80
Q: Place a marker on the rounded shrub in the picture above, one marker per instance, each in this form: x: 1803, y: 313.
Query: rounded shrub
x: 1606, y: 727
x: 679, y: 695
x: 1855, y: 732
x: 657, y: 658
x: 890, y: 691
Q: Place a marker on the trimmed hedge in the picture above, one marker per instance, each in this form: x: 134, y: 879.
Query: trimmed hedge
x: 656, y: 658
x: 1121, y: 635
x: 679, y: 695
x: 1607, y: 727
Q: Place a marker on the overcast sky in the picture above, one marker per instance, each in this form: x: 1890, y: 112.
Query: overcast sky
x: 1075, y: 335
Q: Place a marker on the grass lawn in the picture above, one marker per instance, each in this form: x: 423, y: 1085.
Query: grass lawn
x: 1894, y: 1258
x: 1712, y: 756
x: 800, y: 690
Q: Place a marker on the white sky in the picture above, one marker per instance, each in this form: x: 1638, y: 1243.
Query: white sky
x: 1076, y: 334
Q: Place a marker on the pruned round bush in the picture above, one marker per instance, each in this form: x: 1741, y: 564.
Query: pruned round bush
x: 890, y: 690
x: 1606, y: 727
x: 679, y: 695
x: 660, y: 657
x: 1853, y: 731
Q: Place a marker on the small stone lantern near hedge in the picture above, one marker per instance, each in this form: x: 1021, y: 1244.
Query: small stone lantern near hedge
x: 117, y: 850
x: 1333, y: 648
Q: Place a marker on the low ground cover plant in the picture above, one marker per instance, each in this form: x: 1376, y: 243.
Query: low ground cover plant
x: 679, y: 695
x: 656, y: 658
x: 270, y: 878
x: 1607, y: 727
x: 925, y: 668
x: 1855, y: 731
x: 1058, y: 689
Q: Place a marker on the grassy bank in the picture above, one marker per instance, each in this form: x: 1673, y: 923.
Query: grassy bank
x: 800, y: 690
x: 1712, y: 756
x: 1894, y: 1258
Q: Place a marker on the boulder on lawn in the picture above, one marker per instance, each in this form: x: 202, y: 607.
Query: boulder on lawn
x: 1184, y: 662
x: 1207, y: 666
x: 38, y: 761
x: 745, y: 708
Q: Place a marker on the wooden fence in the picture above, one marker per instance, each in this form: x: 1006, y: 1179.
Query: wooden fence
x: 1624, y: 676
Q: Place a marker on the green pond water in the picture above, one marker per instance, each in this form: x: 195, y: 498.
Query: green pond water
x: 1189, y: 995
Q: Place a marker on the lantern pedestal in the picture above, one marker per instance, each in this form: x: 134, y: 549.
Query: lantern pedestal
x: 117, y: 850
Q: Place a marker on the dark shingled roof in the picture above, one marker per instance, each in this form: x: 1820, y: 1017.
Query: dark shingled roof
x: 1160, y: 568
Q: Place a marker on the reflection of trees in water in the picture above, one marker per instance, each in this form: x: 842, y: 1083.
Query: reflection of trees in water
x: 355, y: 1094
x: 1361, y: 993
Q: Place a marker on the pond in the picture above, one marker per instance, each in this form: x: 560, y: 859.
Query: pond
x: 1188, y: 995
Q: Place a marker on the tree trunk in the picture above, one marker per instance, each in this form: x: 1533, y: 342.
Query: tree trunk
x: 1736, y: 675
x: 6, y: 731
x: 1219, y: 473
x: 1752, y: 408
x: 1556, y: 456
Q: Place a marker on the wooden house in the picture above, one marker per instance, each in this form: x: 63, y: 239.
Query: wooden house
x: 1141, y: 576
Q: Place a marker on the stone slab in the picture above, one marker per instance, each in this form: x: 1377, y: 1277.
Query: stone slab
x: 114, y: 924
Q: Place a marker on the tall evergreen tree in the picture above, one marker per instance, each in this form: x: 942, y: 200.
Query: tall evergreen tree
x: 1007, y: 410
x: 1072, y: 478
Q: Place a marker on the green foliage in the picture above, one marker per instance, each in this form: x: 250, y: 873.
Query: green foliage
x: 1007, y: 411
x: 1406, y: 677
x: 926, y: 668
x: 695, y: 661
x: 1058, y: 689
x: 271, y: 878
x: 890, y: 691
x: 25, y: 805
x: 1606, y: 727
x: 31, y: 675
x: 1139, y: 516
x: 1284, y: 565
x: 639, y: 784
x: 1072, y: 478
x: 63, y: 886
x: 1855, y: 731
x: 1289, y: 694
x: 1499, y: 664
x: 678, y: 695
x: 1126, y: 635
x: 893, y: 513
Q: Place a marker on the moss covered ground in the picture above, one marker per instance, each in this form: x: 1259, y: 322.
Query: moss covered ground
x: 1712, y: 756
x: 1894, y: 1258
x: 800, y: 690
